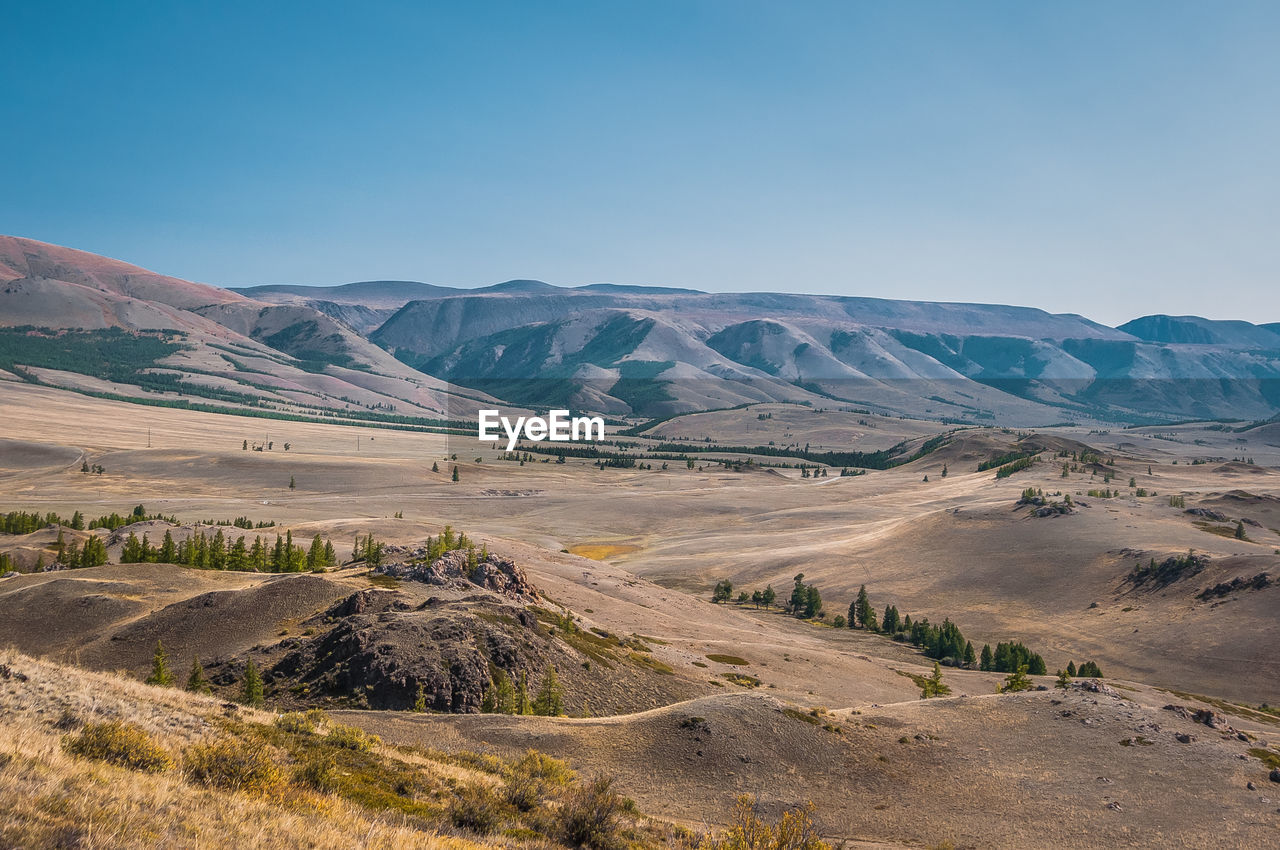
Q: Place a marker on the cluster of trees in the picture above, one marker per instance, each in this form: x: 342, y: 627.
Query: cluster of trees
x: 723, y: 592
x: 251, y: 688
x: 503, y: 696
x: 805, y: 602
x: 1003, y: 459
x: 114, y: 520
x: 1016, y: 466
x: 1010, y: 657
x: 944, y: 643
x: 368, y: 550
x: 72, y: 555
x: 1168, y: 571
x: 1087, y: 670
x: 240, y: 522
x: 218, y: 552
x: 450, y: 541
x: 22, y: 522
x: 6, y: 564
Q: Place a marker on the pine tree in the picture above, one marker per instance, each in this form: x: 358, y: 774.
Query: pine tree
x: 1064, y: 681
x: 315, y: 556
x: 1016, y: 681
x: 1090, y: 670
x: 160, y: 674
x: 435, y: 467
x: 455, y: 473
x: 168, y: 549
x: 970, y: 658
x: 862, y: 612
x: 550, y: 699
x: 1240, y: 530
x: 522, y: 703
x: 293, y: 485
x: 984, y: 663
x: 196, y: 682
x: 251, y: 691
x: 501, y: 694
x: 933, y: 686
x: 767, y: 596
x: 1071, y: 668
x: 420, y: 699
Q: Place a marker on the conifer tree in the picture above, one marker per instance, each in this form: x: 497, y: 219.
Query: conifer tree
x: 985, y: 661
x: 863, y: 614
x: 550, y: 699
x: 160, y: 673
x: 420, y: 699
x: 970, y: 658
x: 933, y: 686
x: 196, y: 682
x: 522, y: 703
x: 1071, y: 668
x: 251, y: 692
x: 1016, y: 681
x: 501, y: 694
x: 767, y: 596
x: 435, y: 467
x: 455, y: 473
x: 1064, y: 681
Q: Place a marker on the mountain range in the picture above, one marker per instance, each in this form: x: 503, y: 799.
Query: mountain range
x: 418, y: 349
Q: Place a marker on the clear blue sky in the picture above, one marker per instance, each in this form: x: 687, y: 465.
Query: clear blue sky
x: 1107, y: 158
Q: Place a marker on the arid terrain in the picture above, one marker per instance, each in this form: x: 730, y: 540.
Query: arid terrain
x: 684, y: 702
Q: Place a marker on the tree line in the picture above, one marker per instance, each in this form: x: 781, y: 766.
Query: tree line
x: 218, y: 552
x: 943, y: 642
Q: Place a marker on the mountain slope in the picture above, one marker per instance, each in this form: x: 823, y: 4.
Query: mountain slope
x: 282, y: 357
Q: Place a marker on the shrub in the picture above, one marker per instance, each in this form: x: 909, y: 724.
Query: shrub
x: 591, y: 814
x: 123, y: 744
x: 352, y: 738
x: 477, y: 808
x: 528, y: 778
x: 232, y: 765
x: 302, y: 723
x: 553, y: 771
x: 317, y: 772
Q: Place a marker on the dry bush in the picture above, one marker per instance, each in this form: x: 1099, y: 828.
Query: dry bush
x: 352, y: 738
x: 123, y: 744
x: 302, y: 722
x: 317, y: 772
x: 795, y: 830
x: 529, y: 778
x: 591, y: 816
x: 232, y: 765
x: 478, y: 809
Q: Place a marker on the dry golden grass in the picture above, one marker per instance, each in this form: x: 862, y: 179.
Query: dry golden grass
x: 50, y: 798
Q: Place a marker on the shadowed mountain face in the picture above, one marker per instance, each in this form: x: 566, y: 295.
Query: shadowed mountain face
x: 649, y: 351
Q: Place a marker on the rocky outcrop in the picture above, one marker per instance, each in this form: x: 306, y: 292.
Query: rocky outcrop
x: 454, y: 570
x: 383, y: 654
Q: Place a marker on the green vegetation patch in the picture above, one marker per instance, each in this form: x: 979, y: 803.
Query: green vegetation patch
x: 732, y: 660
